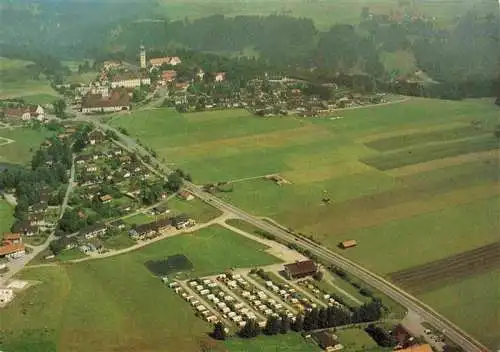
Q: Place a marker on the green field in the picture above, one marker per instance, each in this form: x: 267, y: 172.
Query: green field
x: 41, y: 99
x: 291, y: 342
x: 116, y: 303
x: 6, y: 216
x: 473, y: 304
x: 357, y: 340
x: 412, y: 182
x: 26, y: 141
x: 119, y: 241
x: 195, y: 209
x: 70, y: 254
x: 17, y: 80
x: 139, y: 219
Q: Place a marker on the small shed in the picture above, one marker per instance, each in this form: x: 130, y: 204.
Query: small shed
x: 348, y: 244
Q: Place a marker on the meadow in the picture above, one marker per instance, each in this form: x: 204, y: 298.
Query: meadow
x: 6, y: 216
x: 26, y: 141
x: 292, y: 342
x: 116, y: 303
x: 17, y: 80
x: 412, y: 182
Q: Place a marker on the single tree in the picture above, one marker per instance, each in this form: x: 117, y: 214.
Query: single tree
x: 59, y: 108
x: 219, y: 332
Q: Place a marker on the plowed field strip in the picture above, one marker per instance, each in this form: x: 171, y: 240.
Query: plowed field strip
x: 441, y: 272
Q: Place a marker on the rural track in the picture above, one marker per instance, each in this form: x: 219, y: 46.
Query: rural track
x: 428, y: 314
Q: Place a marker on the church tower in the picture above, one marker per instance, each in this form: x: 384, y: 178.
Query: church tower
x: 143, y: 57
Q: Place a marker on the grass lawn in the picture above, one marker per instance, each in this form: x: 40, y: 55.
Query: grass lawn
x: 472, y: 304
x: 116, y: 303
x: 290, y: 342
x: 119, y: 241
x: 139, y: 219
x: 6, y: 216
x: 70, y: 254
x: 26, y: 141
x: 357, y: 340
x: 195, y: 209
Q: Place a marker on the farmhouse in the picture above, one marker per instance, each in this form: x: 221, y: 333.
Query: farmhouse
x: 25, y: 113
x: 118, y: 100
x: 142, y: 231
x: 300, y: 269
x: 93, y: 231
x: 12, y: 246
x: 129, y: 80
x: 167, y: 60
x: 348, y: 244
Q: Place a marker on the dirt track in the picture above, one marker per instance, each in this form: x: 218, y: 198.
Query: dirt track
x: 441, y: 272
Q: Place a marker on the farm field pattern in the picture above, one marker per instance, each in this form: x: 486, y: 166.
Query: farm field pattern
x: 413, y: 183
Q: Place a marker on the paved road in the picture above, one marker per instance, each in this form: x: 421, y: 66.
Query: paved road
x: 453, y: 332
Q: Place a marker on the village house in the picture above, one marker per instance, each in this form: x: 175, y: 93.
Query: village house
x: 142, y: 231
x: 168, y: 60
x: 300, y: 269
x: 185, y: 195
x: 108, y: 65
x: 96, y: 136
x: 25, y: 113
x: 161, y: 209
x: 129, y: 80
x: 25, y: 228
x: 105, y: 199
x: 220, y: 76
x: 119, y: 100
x: 181, y: 222
x: 119, y: 224
x: 82, y: 159
x: 91, y: 168
x: 12, y: 246
x: 38, y: 208
x: 35, y: 219
x: 169, y: 76
x: 93, y: 231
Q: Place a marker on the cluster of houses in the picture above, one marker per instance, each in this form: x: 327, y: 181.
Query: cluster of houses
x: 22, y: 112
x: 153, y: 229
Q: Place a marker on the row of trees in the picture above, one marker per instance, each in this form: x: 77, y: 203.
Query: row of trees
x: 311, y: 320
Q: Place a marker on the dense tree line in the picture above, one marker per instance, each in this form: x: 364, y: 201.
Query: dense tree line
x: 314, y: 319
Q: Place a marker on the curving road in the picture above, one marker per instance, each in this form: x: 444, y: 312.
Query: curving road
x: 453, y: 332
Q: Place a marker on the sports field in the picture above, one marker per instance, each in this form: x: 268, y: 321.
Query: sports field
x: 117, y: 304
x: 413, y: 182
x: 26, y: 141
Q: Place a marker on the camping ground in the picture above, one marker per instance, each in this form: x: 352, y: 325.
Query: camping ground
x: 401, y: 179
